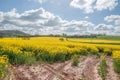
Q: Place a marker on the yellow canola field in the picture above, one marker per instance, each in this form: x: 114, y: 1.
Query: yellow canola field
x: 53, y: 44
x: 116, y: 54
x: 51, y: 49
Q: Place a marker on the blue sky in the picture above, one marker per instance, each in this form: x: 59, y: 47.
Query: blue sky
x: 73, y: 12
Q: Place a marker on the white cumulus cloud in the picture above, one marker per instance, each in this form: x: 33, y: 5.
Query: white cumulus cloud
x: 40, y: 21
x: 85, y: 5
x: 106, y: 4
x: 105, y: 29
x: 89, y: 6
x: 113, y: 18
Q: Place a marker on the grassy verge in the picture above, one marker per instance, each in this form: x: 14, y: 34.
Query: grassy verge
x: 116, y: 64
x: 116, y: 61
x: 75, y: 60
x: 3, y: 67
x: 103, y: 68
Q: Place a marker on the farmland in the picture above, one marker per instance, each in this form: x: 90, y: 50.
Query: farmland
x: 57, y: 54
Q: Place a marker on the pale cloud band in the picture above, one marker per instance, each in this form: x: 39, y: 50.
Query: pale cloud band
x: 40, y: 21
x: 40, y: 1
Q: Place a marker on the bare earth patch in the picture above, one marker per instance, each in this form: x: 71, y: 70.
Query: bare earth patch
x: 90, y: 72
x: 112, y: 75
x: 87, y: 69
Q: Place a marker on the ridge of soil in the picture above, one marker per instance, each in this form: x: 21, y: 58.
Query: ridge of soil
x: 87, y: 69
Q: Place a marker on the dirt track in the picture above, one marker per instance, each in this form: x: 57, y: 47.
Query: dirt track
x: 111, y: 73
x: 87, y: 69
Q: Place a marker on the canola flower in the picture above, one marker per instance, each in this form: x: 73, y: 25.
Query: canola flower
x: 116, y: 60
x: 51, y: 44
x: 3, y: 66
x: 45, y: 48
x: 116, y: 54
x: 52, y: 49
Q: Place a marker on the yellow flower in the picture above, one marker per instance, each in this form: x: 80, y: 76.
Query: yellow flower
x: 116, y: 54
x: 3, y: 66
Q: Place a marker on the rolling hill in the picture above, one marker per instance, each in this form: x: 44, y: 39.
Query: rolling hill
x: 12, y: 33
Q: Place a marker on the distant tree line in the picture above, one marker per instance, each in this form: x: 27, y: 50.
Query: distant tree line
x: 52, y: 35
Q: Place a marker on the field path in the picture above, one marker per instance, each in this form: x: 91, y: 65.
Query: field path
x: 55, y: 72
x: 87, y: 69
x: 111, y: 73
x: 58, y: 69
x: 91, y: 69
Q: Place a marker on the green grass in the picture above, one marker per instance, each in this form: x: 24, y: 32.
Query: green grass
x: 103, y: 69
x: 102, y: 38
x: 75, y: 60
x: 101, y: 43
x: 109, y: 37
x: 116, y: 64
